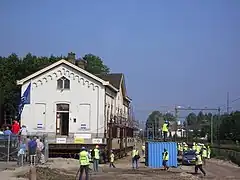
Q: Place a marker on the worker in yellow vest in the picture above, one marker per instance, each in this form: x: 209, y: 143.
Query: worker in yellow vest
x: 208, y: 152
x: 165, y: 156
x: 143, y: 149
x: 181, y: 149
x: 84, y: 163
x: 96, y: 158
x: 165, y: 130
x: 112, y: 160
x: 135, y: 157
x: 204, y: 154
x: 178, y: 148
x: 198, y: 149
x: 194, y: 147
x: 199, y: 164
x: 185, y: 146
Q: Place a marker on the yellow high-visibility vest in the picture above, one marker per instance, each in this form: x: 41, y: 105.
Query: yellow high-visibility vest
x: 112, y: 158
x: 83, y: 158
x: 134, y: 153
x: 164, y: 127
x: 165, y: 156
x: 204, y: 154
x: 199, y: 160
x: 96, y: 153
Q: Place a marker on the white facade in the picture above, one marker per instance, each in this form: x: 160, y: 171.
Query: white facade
x: 85, y: 98
x: 115, y: 102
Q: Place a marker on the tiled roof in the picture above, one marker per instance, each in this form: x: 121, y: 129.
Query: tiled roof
x: 114, y: 79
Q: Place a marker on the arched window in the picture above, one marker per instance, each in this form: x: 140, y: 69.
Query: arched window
x: 63, y: 83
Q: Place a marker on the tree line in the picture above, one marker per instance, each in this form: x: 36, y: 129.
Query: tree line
x: 226, y: 127
x: 13, y: 68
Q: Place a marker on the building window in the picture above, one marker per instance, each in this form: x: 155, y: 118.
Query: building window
x: 62, y: 107
x: 63, y: 83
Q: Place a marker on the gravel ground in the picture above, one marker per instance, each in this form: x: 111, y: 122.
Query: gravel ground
x: 65, y: 169
x: 45, y: 173
x: 5, y: 165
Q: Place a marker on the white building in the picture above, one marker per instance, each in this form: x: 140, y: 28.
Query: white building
x: 67, y: 101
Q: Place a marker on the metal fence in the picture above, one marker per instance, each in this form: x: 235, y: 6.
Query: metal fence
x: 10, y: 147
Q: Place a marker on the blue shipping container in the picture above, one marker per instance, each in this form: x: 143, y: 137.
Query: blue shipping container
x: 154, y: 154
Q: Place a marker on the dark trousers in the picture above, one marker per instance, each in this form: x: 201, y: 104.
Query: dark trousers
x: 199, y: 167
x: 134, y: 162
x: 112, y: 165
x: 164, y: 136
x: 82, y: 169
x: 164, y: 163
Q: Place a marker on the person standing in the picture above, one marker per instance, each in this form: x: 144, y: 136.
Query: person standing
x: 21, y: 154
x: 15, y: 127
x: 143, y: 149
x: 208, y: 152
x: 165, y: 156
x: 23, y: 133
x: 40, y: 148
x: 32, y: 148
x: 112, y: 160
x: 96, y: 158
x: 135, y: 157
x: 7, y: 132
x: 204, y: 154
x: 84, y: 163
x: 165, y: 130
x: 199, y: 163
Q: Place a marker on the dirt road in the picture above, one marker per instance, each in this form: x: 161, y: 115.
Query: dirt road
x: 218, y: 169
x: 60, y: 168
x: 5, y: 165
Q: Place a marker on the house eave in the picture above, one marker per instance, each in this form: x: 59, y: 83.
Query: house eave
x: 128, y: 99
x: 111, y: 86
x: 63, y: 61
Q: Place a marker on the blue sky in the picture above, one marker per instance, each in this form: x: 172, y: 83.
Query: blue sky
x: 171, y: 52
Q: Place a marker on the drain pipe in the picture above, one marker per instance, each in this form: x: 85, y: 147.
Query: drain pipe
x: 97, y: 110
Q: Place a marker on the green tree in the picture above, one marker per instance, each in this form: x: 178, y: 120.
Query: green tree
x: 154, y: 123
x: 191, y: 120
x: 95, y: 65
x: 169, y: 117
x: 230, y: 126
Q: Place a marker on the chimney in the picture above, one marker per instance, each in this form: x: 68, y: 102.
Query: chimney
x: 71, y: 57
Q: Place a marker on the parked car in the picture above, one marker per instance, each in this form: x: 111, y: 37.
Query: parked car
x: 189, y: 157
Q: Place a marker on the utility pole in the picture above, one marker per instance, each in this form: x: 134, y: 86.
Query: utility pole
x: 154, y: 124
x: 218, y: 125
x: 228, y: 103
x: 176, y: 116
x: 211, y: 126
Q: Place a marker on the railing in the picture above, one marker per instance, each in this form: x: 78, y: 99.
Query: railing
x: 10, y: 146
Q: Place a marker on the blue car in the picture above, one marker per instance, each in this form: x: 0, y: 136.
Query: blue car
x: 189, y: 157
